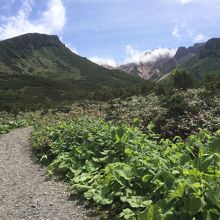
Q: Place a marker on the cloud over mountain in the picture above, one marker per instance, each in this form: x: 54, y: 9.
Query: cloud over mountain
x: 104, y: 61
x: 50, y: 21
x: 133, y: 55
x: 137, y: 56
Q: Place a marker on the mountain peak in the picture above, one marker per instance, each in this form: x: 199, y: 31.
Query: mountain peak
x: 213, y: 45
x: 32, y: 40
x: 35, y: 36
x: 181, y: 52
x: 45, y: 56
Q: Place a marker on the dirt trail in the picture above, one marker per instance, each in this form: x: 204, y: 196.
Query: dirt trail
x: 24, y: 191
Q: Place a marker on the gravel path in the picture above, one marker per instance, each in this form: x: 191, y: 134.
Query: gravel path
x: 24, y: 191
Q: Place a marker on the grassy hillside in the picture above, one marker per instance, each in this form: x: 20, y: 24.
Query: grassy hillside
x: 45, y: 56
x: 207, y: 61
x: 37, y: 68
x: 201, y: 66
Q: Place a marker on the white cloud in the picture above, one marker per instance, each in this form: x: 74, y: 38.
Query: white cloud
x: 183, y: 29
x: 199, y: 2
x: 51, y: 21
x: 55, y: 17
x: 104, y: 61
x: 133, y: 55
x: 72, y: 48
x: 185, y: 1
x: 136, y: 56
x: 200, y: 38
x: 176, y: 32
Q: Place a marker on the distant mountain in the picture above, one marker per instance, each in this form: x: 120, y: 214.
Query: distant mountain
x: 45, y: 56
x: 206, y: 61
x: 149, y: 65
x: 201, y: 58
x: 148, y: 70
x: 182, y: 56
x: 36, y: 67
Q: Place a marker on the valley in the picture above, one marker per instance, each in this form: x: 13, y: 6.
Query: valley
x: 143, y: 145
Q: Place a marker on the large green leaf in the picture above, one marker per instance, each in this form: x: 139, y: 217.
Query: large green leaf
x: 100, y: 160
x: 178, y: 192
x: 121, y: 172
x: 102, y: 196
x: 214, y: 145
x: 205, y: 162
x: 153, y: 212
x: 127, y: 214
x: 139, y: 202
x: 213, y: 194
x: 192, y: 172
x: 193, y: 205
x: 212, y: 214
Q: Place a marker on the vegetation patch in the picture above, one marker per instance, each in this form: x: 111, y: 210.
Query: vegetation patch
x: 134, y: 175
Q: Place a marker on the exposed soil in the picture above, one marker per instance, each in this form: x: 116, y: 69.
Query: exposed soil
x: 25, y: 192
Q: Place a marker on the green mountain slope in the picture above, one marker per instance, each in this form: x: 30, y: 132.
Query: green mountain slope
x: 38, y: 68
x: 45, y: 56
x: 207, y: 61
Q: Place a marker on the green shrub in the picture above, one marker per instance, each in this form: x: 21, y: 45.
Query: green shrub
x: 183, y: 79
x: 135, y: 175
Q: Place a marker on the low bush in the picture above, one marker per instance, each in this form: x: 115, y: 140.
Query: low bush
x: 132, y: 174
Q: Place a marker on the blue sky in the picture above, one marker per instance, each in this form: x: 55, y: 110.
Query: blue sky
x: 114, y: 31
